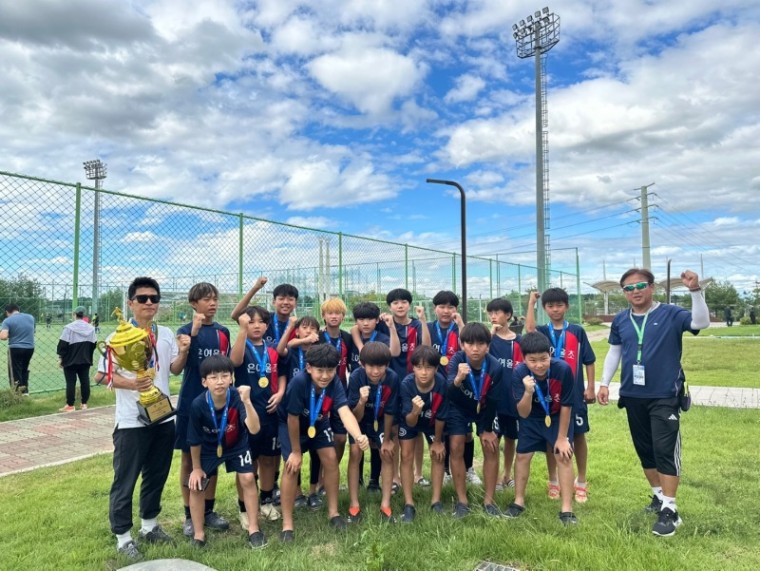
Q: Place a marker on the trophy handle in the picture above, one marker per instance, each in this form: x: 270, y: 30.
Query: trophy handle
x: 101, y: 346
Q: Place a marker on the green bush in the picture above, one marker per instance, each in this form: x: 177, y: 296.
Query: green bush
x: 594, y: 321
x: 745, y: 321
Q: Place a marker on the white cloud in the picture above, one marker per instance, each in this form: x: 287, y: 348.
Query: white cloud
x: 466, y: 89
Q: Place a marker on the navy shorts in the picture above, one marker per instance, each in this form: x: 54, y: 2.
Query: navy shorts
x: 506, y: 425
x: 337, y: 425
x: 238, y: 460
x: 579, y: 419
x: 323, y: 439
x: 368, y: 428
x: 265, y: 442
x: 411, y: 432
x: 534, y: 435
x: 459, y: 424
x: 180, y: 434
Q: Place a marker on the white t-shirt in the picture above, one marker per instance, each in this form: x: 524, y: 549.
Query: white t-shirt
x: 126, y: 400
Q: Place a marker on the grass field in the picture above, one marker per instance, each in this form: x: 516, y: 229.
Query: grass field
x: 56, y: 518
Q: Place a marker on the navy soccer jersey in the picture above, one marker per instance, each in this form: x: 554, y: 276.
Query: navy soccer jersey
x: 298, y: 400
x: 487, y: 379
x: 409, y: 336
x: 213, y: 339
x: 376, y: 336
x: 382, y: 400
x: 557, y: 388
x: 509, y: 354
x: 294, y: 363
x: 573, y: 347
x: 345, y: 345
x: 250, y: 373
x: 660, y: 350
x: 275, y: 329
x: 445, y: 340
x: 435, y: 402
x: 203, y: 430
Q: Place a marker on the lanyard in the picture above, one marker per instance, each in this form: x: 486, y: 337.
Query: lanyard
x: 378, y: 395
x: 314, y: 408
x: 329, y: 341
x: 477, y: 388
x: 300, y: 359
x: 444, y: 340
x: 276, y: 325
x: 540, y: 393
x: 371, y: 337
x: 263, y: 361
x: 153, y: 334
x: 223, y: 424
x: 559, y: 344
x: 639, y: 332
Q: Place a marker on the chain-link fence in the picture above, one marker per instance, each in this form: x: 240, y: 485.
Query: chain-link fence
x: 52, y: 261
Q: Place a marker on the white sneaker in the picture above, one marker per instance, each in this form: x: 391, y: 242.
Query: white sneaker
x: 472, y: 478
x: 244, y: 521
x: 446, y: 478
x: 269, y: 512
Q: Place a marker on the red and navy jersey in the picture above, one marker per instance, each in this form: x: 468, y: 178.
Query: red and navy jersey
x: 450, y: 340
x: 354, y: 358
x: 344, y: 344
x: 202, y: 432
x: 557, y: 388
x: 386, y: 392
x: 435, y: 402
x: 298, y: 399
x: 576, y: 352
x: 213, y: 339
x: 409, y: 336
x: 509, y: 354
x: 275, y: 329
x: 249, y: 373
x: 294, y: 363
x: 464, y: 398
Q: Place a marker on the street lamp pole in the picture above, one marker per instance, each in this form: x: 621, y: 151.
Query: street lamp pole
x: 463, y: 225
x: 96, y: 170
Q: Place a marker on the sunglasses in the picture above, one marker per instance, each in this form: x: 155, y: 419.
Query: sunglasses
x: 631, y: 287
x: 143, y: 298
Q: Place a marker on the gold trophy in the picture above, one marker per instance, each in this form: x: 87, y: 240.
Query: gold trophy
x: 132, y: 349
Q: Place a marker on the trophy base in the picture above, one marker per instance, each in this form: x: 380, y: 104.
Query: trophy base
x: 155, y: 412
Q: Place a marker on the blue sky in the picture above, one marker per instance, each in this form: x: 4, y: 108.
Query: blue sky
x: 332, y: 115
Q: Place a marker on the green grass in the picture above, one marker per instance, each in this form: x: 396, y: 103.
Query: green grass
x: 56, y: 518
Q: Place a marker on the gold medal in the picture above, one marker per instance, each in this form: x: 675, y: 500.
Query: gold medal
x: 219, y: 451
x: 377, y: 426
x: 444, y: 360
x: 263, y: 382
x: 312, y: 432
x: 548, y: 421
x: 477, y: 409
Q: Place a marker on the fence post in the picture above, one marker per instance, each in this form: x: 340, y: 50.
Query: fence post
x: 454, y: 274
x: 77, y: 231
x: 490, y: 278
x: 578, y: 286
x: 519, y: 289
x: 240, y: 255
x: 498, y: 277
x: 341, y: 273
x: 406, y: 266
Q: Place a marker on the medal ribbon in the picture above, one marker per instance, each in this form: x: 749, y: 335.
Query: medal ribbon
x: 443, y: 340
x: 378, y: 396
x: 276, y: 325
x: 337, y: 345
x: 263, y: 361
x: 477, y: 388
x: 314, y: 410
x: 540, y: 393
x: 559, y: 344
x: 639, y: 332
x: 223, y: 424
x: 300, y: 359
x: 153, y: 334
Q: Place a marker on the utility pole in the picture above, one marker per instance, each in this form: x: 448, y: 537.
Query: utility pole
x: 645, y: 246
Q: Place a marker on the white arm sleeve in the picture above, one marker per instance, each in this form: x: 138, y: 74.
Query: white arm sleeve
x: 611, y: 362
x: 700, y: 315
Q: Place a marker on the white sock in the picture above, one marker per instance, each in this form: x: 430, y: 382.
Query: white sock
x: 554, y: 482
x: 122, y: 539
x: 670, y: 503
x: 657, y: 491
x: 149, y: 525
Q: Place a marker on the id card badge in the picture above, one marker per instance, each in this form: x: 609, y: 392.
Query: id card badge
x: 638, y: 375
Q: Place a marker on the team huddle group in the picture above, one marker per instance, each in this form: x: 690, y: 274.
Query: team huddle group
x: 285, y: 386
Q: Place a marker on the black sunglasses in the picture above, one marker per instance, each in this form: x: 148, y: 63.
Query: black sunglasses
x: 143, y: 298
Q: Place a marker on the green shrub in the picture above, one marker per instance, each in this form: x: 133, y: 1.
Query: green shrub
x: 594, y: 321
x: 745, y: 321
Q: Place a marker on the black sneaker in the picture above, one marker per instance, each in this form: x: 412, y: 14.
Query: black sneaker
x: 373, y: 486
x: 654, y: 506
x: 492, y: 510
x: 287, y: 536
x: 301, y: 502
x: 437, y: 507
x: 156, y: 535
x: 409, y: 513
x: 214, y: 521
x: 257, y: 540
x: 130, y: 551
x: 461, y: 510
x: 514, y: 510
x: 666, y: 524
x: 338, y: 522
x: 187, y: 528
x: 568, y: 518
x: 314, y: 502
x: 356, y: 517
x: 199, y: 543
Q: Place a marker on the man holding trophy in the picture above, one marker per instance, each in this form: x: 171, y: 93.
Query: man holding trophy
x: 138, y: 360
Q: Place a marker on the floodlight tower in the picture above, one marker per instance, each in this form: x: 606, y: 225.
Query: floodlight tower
x: 95, y: 170
x: 535, y: 38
